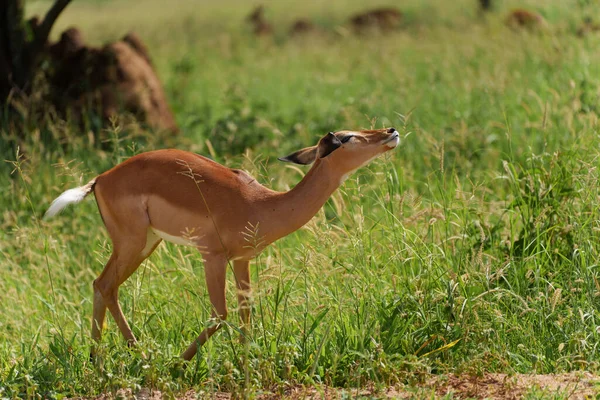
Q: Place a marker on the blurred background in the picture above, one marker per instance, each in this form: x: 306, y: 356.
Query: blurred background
x: 224, y: 77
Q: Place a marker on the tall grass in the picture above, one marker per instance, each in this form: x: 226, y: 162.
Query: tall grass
x: 473, y: 247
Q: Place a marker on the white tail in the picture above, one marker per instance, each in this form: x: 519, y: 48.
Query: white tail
x: 68, y: 197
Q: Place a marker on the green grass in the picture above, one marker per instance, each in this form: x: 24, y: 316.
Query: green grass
x: 473, y: 247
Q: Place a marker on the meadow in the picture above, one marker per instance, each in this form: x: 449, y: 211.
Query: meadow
x: 472, y: 248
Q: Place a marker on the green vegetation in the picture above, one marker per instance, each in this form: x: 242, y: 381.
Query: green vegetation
x: 473, y: 247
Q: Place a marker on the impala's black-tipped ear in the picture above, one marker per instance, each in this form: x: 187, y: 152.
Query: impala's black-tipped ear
x: 327, y: 145
x: 303, y: 157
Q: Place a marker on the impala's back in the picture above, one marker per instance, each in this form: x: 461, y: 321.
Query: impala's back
x: 180, y: 196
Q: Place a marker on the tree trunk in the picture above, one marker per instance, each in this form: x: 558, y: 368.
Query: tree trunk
x: 21, y: 45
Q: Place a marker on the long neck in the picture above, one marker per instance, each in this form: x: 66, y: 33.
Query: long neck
x: 289, y: 211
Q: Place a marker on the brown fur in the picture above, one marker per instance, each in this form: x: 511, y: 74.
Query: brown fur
x: 521, y: 18
x: 381, y: 18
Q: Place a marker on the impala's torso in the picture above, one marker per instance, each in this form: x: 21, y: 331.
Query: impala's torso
x: 180, y: 192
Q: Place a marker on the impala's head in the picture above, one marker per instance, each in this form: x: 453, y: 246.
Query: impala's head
x: 347, y: 150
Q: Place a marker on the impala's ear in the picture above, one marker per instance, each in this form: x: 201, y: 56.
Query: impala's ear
x: 303, y: 157
x: 308, y: 155
x: 327, y: 145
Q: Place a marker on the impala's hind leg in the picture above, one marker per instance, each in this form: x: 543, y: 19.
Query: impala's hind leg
x: 99, y: 312
x: 127, y: 255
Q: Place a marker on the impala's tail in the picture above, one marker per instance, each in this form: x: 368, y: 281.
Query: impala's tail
x: 68, y: 197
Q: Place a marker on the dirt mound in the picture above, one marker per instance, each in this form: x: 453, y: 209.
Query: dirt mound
x: 259, y: 24
x: 301, y: 27
x: 118, y: 76
x: 380, y: 18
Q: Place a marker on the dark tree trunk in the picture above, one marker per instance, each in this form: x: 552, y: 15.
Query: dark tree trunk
x: 21, y: 45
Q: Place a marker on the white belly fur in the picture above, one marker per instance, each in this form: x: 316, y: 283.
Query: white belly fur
x: 183, y: 240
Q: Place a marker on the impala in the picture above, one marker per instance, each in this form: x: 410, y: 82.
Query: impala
x: 187, y: 199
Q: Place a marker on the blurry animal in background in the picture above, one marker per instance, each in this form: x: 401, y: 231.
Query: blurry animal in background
x: 380, y: 18
x: 520, y: 18
x: 118, y: 76
x: 588, y: 26
x: 302, y: 27
x: 259, y: 24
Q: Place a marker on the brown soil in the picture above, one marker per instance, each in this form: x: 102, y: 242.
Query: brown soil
x: 581, y: 385
x: 576, y: 385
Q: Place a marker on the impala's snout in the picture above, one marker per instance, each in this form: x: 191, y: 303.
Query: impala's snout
x: 393, y: 139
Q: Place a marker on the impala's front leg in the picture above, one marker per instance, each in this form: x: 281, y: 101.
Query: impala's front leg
x: 241, y: 270
x: 215, y: 268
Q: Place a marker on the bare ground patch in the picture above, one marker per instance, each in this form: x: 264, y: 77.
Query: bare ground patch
x: 575, y: 385
x: 580, y: 385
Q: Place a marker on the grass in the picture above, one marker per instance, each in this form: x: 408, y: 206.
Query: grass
x: 472, y: 248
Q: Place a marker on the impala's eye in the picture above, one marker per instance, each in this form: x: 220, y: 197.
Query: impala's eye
x: 346, y: 138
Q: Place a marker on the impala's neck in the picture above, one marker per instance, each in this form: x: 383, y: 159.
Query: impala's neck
x: 287, y: 212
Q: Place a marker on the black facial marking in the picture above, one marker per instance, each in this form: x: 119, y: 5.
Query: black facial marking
x: 328, y: 144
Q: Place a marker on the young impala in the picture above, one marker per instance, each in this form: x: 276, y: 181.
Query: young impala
x: 187, y: 199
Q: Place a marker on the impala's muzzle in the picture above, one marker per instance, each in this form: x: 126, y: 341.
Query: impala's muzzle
x: 394, y: 139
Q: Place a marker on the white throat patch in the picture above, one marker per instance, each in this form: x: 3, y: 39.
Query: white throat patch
x: 347, y: 174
